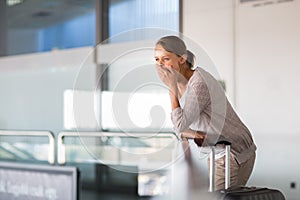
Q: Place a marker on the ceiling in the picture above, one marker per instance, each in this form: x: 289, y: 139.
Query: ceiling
x: 35, y: 14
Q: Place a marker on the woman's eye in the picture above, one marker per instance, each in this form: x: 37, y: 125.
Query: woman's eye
x: 166, y: 59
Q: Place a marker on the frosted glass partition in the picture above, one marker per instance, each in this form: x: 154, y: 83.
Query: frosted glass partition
x: 32, y: 87
x: 81, y: 110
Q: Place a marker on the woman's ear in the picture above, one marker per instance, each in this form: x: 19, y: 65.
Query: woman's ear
x: 182, y: 59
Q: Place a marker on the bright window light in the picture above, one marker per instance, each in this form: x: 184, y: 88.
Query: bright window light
x: 147, y: 112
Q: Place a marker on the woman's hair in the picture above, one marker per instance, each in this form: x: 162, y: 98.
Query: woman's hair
x: 176, y: 45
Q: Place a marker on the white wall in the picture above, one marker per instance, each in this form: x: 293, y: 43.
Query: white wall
x: 256, y: 49
x: 268, y: 96
x: 210, y: 25
x: 268, y: 67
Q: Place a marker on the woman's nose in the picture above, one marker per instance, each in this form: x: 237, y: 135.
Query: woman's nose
x: 159, y: 62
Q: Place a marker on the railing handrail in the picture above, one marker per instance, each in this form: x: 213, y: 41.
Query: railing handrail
x: 61, y: 156
x: 49, y: 134
x: 109, y: 134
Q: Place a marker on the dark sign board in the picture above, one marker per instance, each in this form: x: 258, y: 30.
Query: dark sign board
x: 37, y: 182
x: 117, y: 178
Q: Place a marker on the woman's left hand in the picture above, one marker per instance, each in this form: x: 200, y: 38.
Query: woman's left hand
x: 192, y: 134
x: 198, y: 136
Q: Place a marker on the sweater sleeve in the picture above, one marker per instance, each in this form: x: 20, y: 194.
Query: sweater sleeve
x: 196, y: 99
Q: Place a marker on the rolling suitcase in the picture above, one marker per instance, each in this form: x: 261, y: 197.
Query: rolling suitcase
x: 237, y: 192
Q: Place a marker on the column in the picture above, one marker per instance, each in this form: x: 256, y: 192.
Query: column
x: 3, y: 28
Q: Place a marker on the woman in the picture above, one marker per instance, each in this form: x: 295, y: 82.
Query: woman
x: 200, y: 110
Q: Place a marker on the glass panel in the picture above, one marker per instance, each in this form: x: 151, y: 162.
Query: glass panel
x: 143, y: 155
x: 142, y: 14
x: 146, y: 153
x: 37, y: 26
x: 32, y: 147
x: 135, y: 99
x: 134, y: 89
x: 76, y: 32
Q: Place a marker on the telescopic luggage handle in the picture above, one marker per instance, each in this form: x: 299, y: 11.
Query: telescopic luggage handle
x: 212, y: 165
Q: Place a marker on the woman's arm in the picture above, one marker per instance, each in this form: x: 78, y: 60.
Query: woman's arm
x: 192, y: 134
x: 173, y: 92
x: 198, y: 136
x: 196, y: 99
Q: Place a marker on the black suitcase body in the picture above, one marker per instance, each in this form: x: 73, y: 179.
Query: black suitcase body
x: 248, y: 193
x: 239, y: 192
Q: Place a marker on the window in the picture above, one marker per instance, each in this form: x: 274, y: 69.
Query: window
x: 134, y: 99
x: 37, y: 26
x: 127, y: 15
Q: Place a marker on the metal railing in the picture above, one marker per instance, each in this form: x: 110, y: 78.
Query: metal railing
x: 61, y: 150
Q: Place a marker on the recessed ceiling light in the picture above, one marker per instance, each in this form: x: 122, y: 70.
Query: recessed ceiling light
x: 13, y: 2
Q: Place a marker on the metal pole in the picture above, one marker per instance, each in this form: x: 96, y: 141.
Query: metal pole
x: 212, y: 170
x: 227, y: 167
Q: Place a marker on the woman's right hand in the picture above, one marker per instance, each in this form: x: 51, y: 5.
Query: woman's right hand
x: 167, y: 75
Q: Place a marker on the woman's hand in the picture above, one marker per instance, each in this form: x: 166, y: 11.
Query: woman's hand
x: 198, y: 136
x: 191, y: 134
x: 168, y: 76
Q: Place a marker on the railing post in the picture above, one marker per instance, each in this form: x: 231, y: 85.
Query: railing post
x: 212, y: 170
x: 227, y: 167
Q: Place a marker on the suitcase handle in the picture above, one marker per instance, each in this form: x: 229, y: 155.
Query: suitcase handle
x: 212, y: 165
x: 223, y: 142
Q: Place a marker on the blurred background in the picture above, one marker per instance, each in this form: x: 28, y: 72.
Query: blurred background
x: 78, y: 89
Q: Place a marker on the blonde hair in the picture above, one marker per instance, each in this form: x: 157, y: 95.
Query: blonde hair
x: 177, y: 46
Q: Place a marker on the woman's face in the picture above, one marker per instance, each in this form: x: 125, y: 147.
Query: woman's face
x: 167, y: 59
